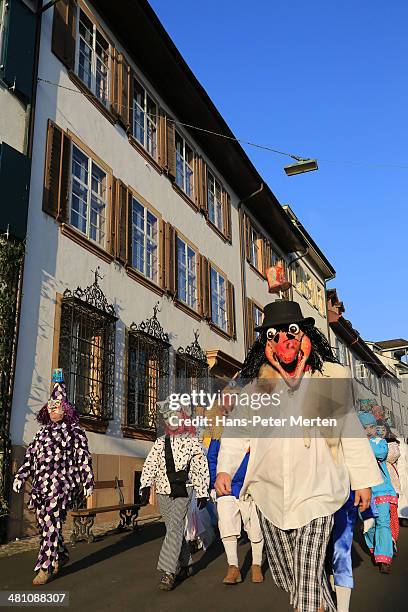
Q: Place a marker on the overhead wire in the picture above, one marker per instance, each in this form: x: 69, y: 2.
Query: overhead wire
x: 271, y: 149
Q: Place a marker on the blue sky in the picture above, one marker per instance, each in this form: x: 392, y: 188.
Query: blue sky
x: 329, y: 80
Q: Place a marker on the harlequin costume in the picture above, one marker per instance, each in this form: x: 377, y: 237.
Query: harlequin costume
x: 59, y: 465
x: 231, y: 511
x: 297, y: 482
x: 379, y: 538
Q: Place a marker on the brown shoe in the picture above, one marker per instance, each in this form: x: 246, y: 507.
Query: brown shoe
x: 256, y: 574
x: 42, y: 577
x: 385, y: 568
x: 233, y: 575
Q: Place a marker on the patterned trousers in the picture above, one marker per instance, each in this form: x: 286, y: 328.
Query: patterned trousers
x: 394, y: 522
x: 296, y: 558
x: 378, y: 538
x: 50, y: 519
x: 175, y: 552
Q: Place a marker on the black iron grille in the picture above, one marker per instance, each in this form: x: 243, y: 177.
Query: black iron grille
x: 148, y: 378
x: 87, y: 356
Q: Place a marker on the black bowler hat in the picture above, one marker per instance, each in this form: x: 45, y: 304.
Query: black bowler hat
x: 282, y: 312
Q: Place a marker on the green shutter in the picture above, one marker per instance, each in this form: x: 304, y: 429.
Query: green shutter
x: 14, y: 191
x: 17, y: 57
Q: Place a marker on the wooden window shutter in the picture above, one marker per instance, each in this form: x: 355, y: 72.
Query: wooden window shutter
x: 125, y: 91
x: 162, y: 138
x: 64, y: 32
x: 111, y: 243
x: 250, y: 323
x: 205, y: 287
x: 170, y: 259
x: 171, y: 148
x: 247, y: 238
x: 267, y: 255
x: 57, y: 173
x: 115, y: 82
x: 226, y: 209
x: 200, y: 183
x: 122, y: 222
x: 231, y: 309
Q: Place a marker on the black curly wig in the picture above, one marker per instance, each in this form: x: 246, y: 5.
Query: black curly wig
x: 321, y: 352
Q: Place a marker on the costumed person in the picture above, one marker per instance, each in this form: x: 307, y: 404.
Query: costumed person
x: 378, y: 537
x: 393, y: 456
x: 297, y: 481
x: 59, y: 465
x: 231, y: 510
x: 175, y: 465
x: 344, y: 521
x: 403, y: 477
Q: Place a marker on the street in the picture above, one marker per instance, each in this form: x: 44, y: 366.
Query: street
x: 117, y: 572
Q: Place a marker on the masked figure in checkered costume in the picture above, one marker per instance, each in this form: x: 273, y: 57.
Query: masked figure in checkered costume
x: 59, y: 465
x: 298, y: 479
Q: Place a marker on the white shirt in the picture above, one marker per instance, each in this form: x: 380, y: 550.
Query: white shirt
x: 293, y: 482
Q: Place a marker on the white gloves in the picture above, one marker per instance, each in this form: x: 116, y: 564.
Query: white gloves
x: 17, y: 484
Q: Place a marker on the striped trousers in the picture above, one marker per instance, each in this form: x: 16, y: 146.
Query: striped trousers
x: 175, y: 552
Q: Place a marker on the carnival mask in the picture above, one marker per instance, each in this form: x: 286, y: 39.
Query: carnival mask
x: 287, y: 350
x: 55, y: 410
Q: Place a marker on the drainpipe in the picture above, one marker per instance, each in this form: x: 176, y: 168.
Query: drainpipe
x: 243, y: 259
x: 30, y: 126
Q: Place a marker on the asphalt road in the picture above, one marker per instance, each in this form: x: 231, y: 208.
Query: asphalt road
x: 118, y: 573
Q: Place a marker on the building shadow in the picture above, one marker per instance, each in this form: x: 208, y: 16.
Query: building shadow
x: 131, y: 540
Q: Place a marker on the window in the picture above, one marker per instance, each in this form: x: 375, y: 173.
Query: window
x: 145, y: 114
x: 341, y: 352
x: 148, y: 372
x: 89, y: 195
x: 320, y: 299
x: 87, y: 356
x: 258, y: 316
x: 186, y: 274
x: 214, y: 197
x: 144, y: 240
x: 255, y: 248
x: 360, y: 370
x: 92, y: 58
x: 385, y: 386
x: 184, y: 166
x: 218, y: 300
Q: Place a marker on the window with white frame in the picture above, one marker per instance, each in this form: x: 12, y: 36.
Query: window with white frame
x: 320, y: 299
x: 258, y: 316
x: 341, y: 352
x: 144, y: 240
x: 184, y: 166
x: 214, y: 198
x: 93, y: 58
x: 89, y: 196
x: 255, y: 248
x: 145, y: 113
x: 218, y: 299
x: 360, y: 370
x: 186, y: 274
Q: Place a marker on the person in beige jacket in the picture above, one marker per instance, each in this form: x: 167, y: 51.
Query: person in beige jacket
x: 300, y: 473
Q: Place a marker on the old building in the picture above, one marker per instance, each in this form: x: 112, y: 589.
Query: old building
x: 18, y: 35
x: 143, y: 266
x: 375, y: 384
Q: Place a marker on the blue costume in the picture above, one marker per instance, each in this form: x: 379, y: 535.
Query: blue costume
x: 239, y: 477
x: 342, y: 539
x: 378, y: 538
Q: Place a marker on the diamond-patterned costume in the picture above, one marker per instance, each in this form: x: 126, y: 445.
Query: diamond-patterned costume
x: 59, y: 465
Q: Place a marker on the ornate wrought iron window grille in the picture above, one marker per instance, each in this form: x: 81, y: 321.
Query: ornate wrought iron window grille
x: 192, y: 370
x: 148, y: 372
x: 87, y: 350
